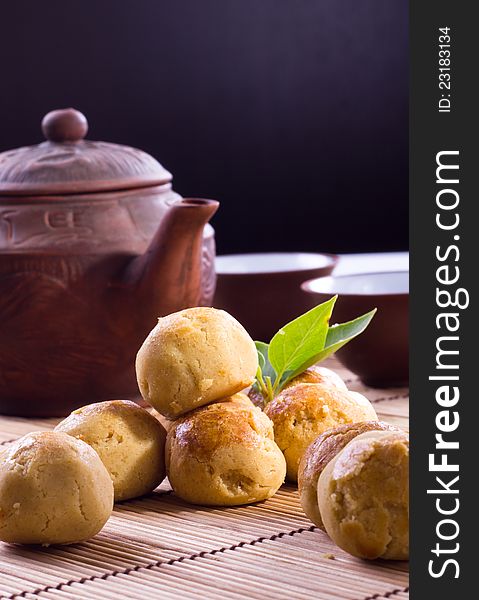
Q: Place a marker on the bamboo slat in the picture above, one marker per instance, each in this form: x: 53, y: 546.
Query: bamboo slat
x: 159, y: 547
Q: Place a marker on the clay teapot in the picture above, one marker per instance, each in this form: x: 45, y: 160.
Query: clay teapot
x: 94, y: 247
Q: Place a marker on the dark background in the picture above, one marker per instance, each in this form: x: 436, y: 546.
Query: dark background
x: 293, y: 113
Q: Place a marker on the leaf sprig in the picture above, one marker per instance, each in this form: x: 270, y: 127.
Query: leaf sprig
x: 300, y: 344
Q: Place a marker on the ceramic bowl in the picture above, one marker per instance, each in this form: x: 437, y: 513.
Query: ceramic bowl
x: 263, y: 291
x: 380, y: 355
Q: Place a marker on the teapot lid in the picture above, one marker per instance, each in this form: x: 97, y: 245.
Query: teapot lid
x: 66, y: 163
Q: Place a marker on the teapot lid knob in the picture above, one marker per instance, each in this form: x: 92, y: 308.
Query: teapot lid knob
x: 64, y: 125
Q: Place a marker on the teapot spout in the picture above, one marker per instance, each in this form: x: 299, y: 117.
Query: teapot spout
x: 168, y: 274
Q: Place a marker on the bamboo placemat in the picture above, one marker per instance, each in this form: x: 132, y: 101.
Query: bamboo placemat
x: 159, y: 547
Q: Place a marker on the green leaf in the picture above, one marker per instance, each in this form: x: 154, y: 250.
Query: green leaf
x: 261, y: 361
x: 265, y: 372
x: 300, y: 344
x: 299, y: 340
x: 265, y: 366
x: 337, y: 336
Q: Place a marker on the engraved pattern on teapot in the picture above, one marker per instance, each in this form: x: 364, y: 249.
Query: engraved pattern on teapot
x: 77, y: 161
x: 66, y: 218
x: 57, y: 225
x: 6, y: 225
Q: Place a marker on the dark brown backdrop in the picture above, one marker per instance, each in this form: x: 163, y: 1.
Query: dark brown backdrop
x: 292, y: 112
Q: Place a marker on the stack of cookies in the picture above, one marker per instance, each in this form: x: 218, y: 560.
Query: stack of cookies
x: 220, y: 448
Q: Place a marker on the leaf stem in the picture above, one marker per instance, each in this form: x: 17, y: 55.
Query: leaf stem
x: 276, y: 383
x: 270, y: 389
x: 261, y: 383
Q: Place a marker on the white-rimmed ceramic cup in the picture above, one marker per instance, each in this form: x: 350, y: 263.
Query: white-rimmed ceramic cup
x: 380, y: 355
x: 263, y: 290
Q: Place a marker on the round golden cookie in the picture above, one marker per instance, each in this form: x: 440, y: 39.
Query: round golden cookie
x: 314, y: 374
x: 129, y: 441
x: 317, y: 456
x: 363, y: 496
x: 224, y: 454
x: 54, y: 489
x: 304, y: 411
x: 193, y: 357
